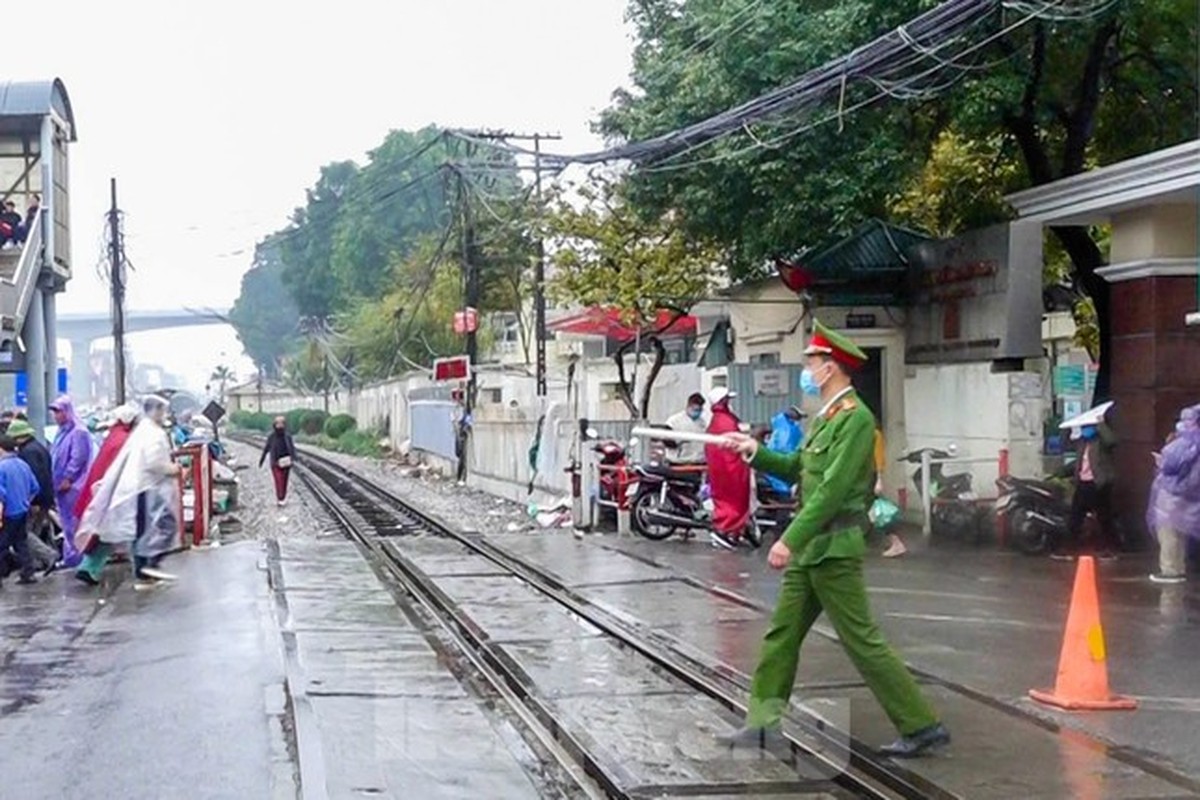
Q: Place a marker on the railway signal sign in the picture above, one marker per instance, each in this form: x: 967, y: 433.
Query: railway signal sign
x: 455, y: 368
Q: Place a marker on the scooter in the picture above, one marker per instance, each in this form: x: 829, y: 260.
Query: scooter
x: 1033, y: 510
x: 616, y: 474
x: 954, y: 510
x: 669, y: 499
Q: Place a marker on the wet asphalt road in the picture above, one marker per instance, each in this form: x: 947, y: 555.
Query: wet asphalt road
x: 990, y: 621
x: 171, y: 693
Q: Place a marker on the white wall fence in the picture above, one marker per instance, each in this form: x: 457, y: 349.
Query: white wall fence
x: 966, y: 404
x: 412, y: 411
x: 281, y: 402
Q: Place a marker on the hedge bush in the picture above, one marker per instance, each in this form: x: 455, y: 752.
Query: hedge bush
x: 294, y: 418
x: 252, y: 420
x: 312, y: 422
x: 339, y: 425
x: 358, y: 443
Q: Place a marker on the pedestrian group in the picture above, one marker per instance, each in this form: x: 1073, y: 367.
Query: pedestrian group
x: 115, y: 501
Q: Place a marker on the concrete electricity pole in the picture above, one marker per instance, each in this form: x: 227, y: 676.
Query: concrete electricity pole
x: 539, y: 269
x: 471, y: 293
x: 116, y: 252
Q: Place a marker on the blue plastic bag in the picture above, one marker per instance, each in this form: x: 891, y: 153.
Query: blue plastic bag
x: 884, y: 513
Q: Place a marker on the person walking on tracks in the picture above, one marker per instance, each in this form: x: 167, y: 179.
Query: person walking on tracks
x: 95, y: 552
x: 822, y: 551
x: 282, y: 451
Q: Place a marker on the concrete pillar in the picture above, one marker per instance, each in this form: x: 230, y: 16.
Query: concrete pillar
x: 35, y: 363
x: 49, y: 200
x: 50, y: 318
x: 81, y: 370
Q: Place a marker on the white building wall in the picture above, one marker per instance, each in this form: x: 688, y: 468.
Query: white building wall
x: 979, y: 411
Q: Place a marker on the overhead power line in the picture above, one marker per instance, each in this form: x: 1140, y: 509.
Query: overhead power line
x: 884, y: 62
x: 912, y: 87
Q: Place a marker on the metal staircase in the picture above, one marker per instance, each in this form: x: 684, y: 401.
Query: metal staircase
x: 20, y: 268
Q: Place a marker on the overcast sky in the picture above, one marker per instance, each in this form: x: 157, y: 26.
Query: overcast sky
x: 214, y: 117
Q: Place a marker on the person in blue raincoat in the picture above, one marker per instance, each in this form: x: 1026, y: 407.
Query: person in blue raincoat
x: 787, y: 434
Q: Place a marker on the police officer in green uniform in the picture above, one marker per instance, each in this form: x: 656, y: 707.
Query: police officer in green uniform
x: 822, y: 551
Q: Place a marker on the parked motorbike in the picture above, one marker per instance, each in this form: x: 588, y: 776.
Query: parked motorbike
x: 668, y: 499
x: 615, y: 471
x: 954, y: 511
x: 1033, y: 511
x: 775, y: 510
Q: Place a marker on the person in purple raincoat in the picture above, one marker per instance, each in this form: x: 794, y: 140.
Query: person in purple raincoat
x: 1173, y: 513
x: 71, y: 456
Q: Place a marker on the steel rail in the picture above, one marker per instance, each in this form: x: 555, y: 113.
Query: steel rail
x: 467, y: 643
x: 866, y: 775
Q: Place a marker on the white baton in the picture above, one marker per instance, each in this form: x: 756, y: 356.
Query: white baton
x: 680, y: 436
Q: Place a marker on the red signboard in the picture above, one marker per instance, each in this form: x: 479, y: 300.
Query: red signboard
x: 457, y: 368
x: 466, y: 321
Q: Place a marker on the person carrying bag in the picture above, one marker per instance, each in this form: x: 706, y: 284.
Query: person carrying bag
x: 282, y: 451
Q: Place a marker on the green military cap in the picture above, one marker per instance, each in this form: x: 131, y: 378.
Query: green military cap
x: 825, y: 341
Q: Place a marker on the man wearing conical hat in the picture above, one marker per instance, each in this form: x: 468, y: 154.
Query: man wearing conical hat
x: 821, y: 553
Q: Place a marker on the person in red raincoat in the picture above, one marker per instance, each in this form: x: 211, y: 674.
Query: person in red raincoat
x: 728, y: 475
x: 96, y: 554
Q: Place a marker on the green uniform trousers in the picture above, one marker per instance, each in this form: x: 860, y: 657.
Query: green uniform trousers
x: 836, y: 587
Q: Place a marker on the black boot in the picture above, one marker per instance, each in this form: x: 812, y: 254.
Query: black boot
x: 918, y: 743
x: 762, y: 738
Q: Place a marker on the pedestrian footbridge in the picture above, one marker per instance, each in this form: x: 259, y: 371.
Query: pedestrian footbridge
x: 37, y: 126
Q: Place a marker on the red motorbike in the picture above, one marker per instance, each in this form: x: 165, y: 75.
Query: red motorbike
x: 616, y: 474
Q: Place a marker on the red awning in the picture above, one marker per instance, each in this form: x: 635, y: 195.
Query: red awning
x: 607, y: 323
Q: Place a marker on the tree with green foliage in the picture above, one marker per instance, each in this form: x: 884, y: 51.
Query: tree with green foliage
x: 264, y: 314
x: 222, y: 376
x: 307, y: 244
x: 398, y: 198
x: 960, y: 186
x: 1062, y: 96
x: 410, y: 325
x: 610, y: 258
x: 371, y: 260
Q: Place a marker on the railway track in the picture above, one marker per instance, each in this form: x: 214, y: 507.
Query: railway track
x: 821, y: 760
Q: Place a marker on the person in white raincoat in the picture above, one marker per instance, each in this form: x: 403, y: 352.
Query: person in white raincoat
x: 137, y: 501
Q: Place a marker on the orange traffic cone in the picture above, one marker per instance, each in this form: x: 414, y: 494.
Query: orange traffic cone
x: 1082, y: 683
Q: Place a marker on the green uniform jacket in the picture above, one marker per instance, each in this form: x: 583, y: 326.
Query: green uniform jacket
x: 836, y: 473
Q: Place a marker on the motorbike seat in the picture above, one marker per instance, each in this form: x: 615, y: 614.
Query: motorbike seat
x: 675, y: 472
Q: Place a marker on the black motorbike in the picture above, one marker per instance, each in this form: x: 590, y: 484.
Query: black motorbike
x: 775, y: 508
x: 1033, y: 511
x: 954, y: 512
x: 669, y: 501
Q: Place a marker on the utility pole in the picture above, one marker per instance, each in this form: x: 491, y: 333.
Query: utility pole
x: 471, y: 293
x: 116, y: 253
x: 539, y: 273
x: 539, y: 270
